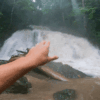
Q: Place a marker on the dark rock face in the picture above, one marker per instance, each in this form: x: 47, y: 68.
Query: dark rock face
x: 3, y: 62
x: 20, y: 86
x: 66, y: 70
x: 67, y: 94
x: 63, y: 69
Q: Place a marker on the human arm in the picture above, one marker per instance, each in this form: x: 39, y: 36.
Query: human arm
x: 37, y: 56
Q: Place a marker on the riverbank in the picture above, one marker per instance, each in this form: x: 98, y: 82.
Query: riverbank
x: 44, y: 89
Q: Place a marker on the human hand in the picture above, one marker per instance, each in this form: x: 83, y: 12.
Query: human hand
x: 38, y: 55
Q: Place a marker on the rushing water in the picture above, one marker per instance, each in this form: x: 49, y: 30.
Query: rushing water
x: 74, y: 51
x: 20, y: 40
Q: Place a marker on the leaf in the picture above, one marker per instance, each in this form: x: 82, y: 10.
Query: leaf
x: 1, y: 14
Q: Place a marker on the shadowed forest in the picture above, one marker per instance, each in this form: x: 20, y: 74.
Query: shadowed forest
x: 81, y: 17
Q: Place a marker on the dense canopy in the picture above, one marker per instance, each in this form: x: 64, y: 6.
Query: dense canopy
x: 82, y: 16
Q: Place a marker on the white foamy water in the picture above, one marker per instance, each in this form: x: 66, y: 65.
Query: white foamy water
x: 74, y: 51
x: 20, y: 40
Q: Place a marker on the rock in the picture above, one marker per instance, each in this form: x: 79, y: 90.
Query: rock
x: 67, y: 94
x: 62, y: 69
x: 3, y: 62
x: 20, y: 86
x: 66, y: 70
x: 53, y: 74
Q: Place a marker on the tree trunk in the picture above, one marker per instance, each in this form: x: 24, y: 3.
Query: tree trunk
x: 84, y: 17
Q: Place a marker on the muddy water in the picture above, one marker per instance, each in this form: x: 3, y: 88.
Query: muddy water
x: 44, y: 88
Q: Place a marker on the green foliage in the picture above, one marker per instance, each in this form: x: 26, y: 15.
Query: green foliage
x: 1, y: 28
x: 16, y: 13
x: 45, y: 11
x: 90, y: 11
x: 25, y: 5
x: 74, y: 13
x: 1, y: 14
x: 21, y: 13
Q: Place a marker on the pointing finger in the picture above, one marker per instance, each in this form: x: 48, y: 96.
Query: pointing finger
x: 47, y: 44
x: 52, y: 58
x: 43, y: 42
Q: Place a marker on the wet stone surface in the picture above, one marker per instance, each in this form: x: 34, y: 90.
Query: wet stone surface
x: 67, y: 94
x: 3, y: 62
x: 66, y: 70
x: 20, y: 86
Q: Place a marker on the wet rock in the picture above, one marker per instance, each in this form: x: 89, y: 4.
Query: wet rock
x: 3, y: 62
x: 67, y: 94
x: 20, y: 86
x: 63, y: 69
x: 66, y: 70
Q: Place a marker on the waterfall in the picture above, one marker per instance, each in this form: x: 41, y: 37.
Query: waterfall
x: 72, y: 50
x: 20, y: 40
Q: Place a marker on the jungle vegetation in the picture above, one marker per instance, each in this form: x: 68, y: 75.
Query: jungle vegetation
x: 82, y: 16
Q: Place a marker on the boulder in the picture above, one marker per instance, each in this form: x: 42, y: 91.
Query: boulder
x: 20, y: 86
x: 64, y: 70
x: 67, y: 94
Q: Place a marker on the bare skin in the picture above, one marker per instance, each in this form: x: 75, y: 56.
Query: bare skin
x: 12, y: 71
